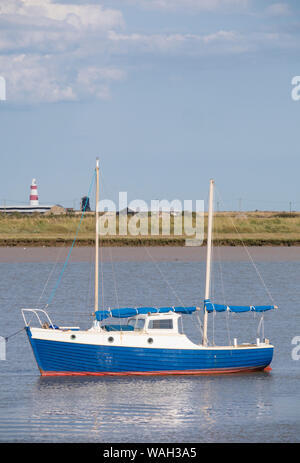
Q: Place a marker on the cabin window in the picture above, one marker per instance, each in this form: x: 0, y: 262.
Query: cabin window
x: 161, y: 324
x: 132, y: 322
x: 140, y: 324
x: 137, y: 323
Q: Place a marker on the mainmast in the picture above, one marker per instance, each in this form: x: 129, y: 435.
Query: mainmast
x: 208, y: 257
x: 97, y: 238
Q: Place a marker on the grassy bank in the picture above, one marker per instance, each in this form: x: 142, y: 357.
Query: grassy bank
x: 253, y: 228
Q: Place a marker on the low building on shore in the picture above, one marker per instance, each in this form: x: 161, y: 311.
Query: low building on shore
x: 25, y: 209
x: 57, y: 210
x: 32, y: 207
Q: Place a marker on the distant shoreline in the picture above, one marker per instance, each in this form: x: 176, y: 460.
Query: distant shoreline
x: 145, y: 241
x: 230, y: 229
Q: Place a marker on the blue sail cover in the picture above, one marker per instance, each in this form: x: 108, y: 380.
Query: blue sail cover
x: 130, y: 312
x: 210, y: 307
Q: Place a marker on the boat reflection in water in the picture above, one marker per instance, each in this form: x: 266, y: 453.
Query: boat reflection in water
x: 187, y: 409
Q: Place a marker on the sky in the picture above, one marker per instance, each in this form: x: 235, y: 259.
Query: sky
x: 167, y: 93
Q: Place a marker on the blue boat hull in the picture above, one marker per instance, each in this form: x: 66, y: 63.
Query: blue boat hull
x: 65, y: 358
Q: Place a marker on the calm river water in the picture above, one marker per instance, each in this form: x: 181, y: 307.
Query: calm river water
x: 258, y: 407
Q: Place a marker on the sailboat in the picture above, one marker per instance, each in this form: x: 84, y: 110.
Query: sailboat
x: 149, y: 342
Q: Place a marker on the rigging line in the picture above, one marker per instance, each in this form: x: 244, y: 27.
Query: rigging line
x: 228, y: 326
x: 88, y: 301
x: 221, y: 275
x: 89, y: 292
x: 102, y: 275
x: 164, y: 278
x: 200, y: 323
x: 223, y: 290
x: 250, y: 257
x: 101, y: 260
x: 53, y: 269
x: 261, y: 326
x: 114, y: 277
x: 227, y: 314
x: 104, y: 186
x: 220, y: 261
x: 213, y: 288
x: 49, y: 276
x: 69, y: 254
x: 90, y: 281
x: 151, y: 257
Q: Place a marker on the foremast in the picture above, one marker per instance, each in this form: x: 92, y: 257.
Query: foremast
x: 208, y: 257
x: 97, y: 239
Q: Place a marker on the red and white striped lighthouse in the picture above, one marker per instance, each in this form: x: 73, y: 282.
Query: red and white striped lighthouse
x: 34, y: 199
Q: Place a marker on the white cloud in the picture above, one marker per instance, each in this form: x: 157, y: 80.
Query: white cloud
x: 221, y: 36
x: 175, y: 43
x: 34, y: 79
x: 40, y: 25
x: 200, y: 5
x: 94, y: 80
x: 219, y: 43
x: 47, y: 48
x: 79, y: 16
x: 279, y: 9
x: 64, y: 52
x: 147, y: 42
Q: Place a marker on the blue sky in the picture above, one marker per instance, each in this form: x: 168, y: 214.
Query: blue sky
x: 168, y: 93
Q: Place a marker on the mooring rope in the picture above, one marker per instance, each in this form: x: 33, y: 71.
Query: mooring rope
x: 13, y: 334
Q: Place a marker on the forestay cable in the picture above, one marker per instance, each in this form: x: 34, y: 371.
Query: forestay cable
x: 249, y: 255
x: 151, y: 257
x: 69, y: 254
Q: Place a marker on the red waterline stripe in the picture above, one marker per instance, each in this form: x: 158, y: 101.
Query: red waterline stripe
x: 156, y: 373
